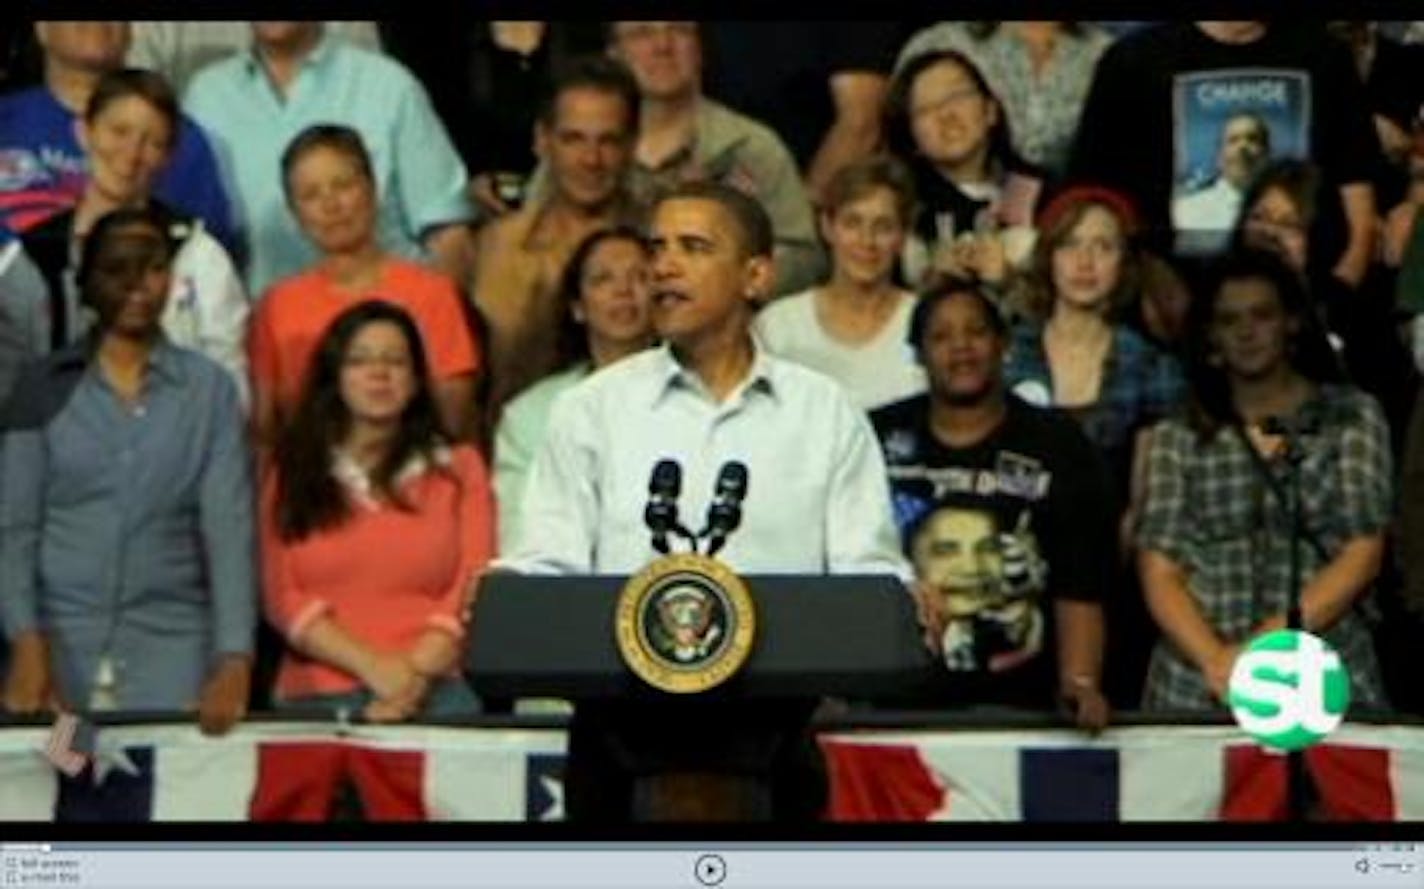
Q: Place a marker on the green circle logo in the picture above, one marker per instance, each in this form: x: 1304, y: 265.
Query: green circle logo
x: 1288, y: 689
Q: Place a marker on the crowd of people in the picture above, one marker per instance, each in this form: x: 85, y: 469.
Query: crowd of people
x: 305, y: 327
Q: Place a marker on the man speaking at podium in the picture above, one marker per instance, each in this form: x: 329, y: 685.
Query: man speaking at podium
x: 818, y: 499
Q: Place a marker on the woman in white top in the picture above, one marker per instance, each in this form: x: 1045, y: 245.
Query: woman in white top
x: 853, y: 327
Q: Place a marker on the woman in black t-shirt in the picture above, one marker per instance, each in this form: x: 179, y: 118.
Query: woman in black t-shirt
x: 977, y: 197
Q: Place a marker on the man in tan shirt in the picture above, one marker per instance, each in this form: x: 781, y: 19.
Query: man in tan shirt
x: 685, y: 136
x: 585, y: 137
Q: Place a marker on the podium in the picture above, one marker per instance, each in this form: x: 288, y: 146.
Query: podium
x: 851, y: 636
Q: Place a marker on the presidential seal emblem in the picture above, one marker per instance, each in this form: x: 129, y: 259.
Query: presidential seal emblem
x: 685, y: 623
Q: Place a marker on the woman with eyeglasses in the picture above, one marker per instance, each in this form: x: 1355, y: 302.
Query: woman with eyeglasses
x: 1041, y: 69
x: 977, y: 197
x: 375, y: 527
x: 1285, y: 213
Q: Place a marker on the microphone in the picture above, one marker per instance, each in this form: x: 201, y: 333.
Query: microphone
x: 724, y: 513
x: 660, y: 516
x: 1291, y: 429
x: 661, y: 513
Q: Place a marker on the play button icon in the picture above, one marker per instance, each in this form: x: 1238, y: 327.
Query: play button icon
x: 710, y: 870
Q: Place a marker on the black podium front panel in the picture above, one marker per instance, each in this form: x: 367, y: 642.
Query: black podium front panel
x: 842, y: 635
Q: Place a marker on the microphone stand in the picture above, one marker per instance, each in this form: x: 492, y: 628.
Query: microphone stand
x: 1298, y: 780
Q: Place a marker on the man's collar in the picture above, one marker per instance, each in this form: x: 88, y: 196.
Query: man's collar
x: 318, y: 56
x: 165, y: 360
x: 671, y: 374
x: 716, y: 131
x: 684, y: 155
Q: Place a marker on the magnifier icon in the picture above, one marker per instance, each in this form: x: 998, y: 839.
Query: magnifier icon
x: 1362, y: 866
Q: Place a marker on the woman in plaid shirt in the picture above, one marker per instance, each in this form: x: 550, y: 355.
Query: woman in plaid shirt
x: 1214, y: 538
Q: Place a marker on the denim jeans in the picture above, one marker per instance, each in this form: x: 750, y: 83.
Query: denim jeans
x: 448, y: 697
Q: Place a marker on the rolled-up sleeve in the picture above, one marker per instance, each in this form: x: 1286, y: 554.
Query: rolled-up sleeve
x: 431, y: 179
x: 226, y: 515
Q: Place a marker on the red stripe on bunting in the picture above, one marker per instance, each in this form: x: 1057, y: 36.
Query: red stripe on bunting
x: 873, y: 782
x: 391, y: 783
x: 1353, y: 782
x: 297, y: 781
x: 1255, y: 785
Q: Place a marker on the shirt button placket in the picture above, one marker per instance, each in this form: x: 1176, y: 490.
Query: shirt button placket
x: 128, y: 487
x: 709, y: 440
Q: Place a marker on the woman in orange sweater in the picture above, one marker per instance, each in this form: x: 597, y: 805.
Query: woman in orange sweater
x: 329, y: 183
x: 375, y: 529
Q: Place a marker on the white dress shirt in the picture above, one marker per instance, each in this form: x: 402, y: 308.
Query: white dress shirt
x: 818, y: 499
x: 1204, y: 219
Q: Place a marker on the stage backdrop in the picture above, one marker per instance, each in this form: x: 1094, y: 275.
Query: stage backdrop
x: 287, y: 771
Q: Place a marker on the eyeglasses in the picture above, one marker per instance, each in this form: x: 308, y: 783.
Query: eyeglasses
x: 960, y: 97
x: 396, y: 360
x: 1278, y: 223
